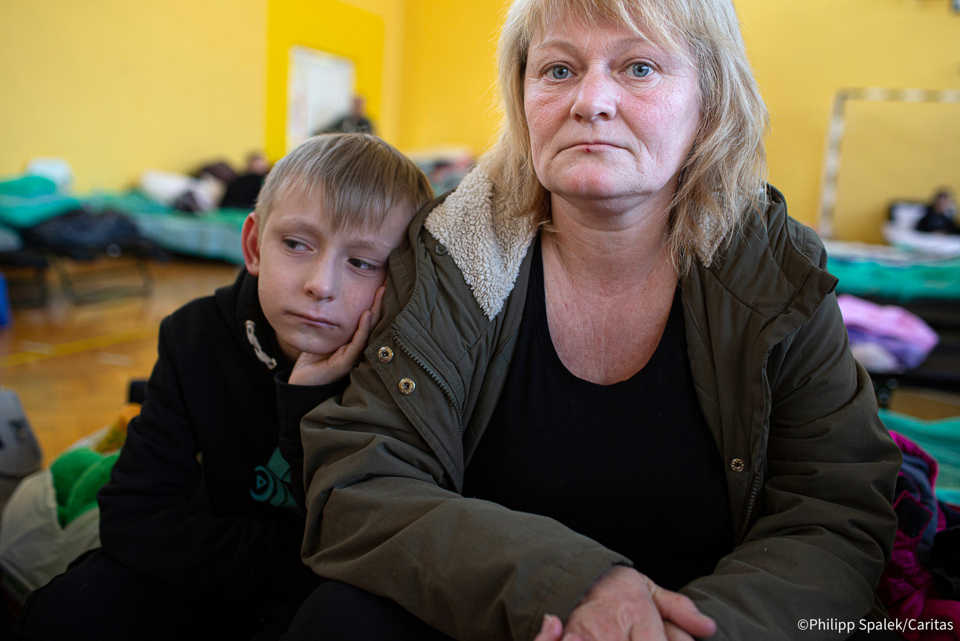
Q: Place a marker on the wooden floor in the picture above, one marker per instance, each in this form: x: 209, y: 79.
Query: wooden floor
x: 71, y: 364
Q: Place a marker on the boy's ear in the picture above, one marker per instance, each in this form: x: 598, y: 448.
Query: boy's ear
x: 250, y: 242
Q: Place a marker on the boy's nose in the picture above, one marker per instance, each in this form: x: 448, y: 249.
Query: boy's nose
x: 322, y: 283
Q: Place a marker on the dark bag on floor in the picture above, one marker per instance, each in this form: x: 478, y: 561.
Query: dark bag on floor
x: 84, y: 236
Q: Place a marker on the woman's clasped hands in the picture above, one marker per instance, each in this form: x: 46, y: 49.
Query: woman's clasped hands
x: 624, y: 605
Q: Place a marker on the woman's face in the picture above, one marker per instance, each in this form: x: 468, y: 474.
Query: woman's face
x: 612, y: 116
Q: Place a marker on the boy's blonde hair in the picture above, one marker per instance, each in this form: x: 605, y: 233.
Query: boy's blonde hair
x: 359, y: 179
x: 724, y: 176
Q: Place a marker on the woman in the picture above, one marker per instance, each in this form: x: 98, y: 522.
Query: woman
x: 610, y: 367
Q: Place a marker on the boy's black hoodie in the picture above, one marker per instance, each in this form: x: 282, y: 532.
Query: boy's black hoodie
x: 200, y: 497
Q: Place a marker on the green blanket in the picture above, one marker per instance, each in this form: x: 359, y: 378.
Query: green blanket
x: 934, y: 279
x: 29, y: 200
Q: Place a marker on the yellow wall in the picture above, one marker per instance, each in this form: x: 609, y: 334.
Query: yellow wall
x: 368, y: 32
x: 893, y: 151
x: 393, y: 14
x: 449, y: 94
x: 805, y: 51
x: 116, y: 86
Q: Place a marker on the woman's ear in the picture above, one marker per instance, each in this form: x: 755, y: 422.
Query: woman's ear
x: 250, y: 242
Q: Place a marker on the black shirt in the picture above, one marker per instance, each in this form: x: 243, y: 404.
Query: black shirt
x: 631, y: 465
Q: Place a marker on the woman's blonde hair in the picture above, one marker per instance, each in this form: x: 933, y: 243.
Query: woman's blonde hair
x: 359, y: 178
x: 724, y: 176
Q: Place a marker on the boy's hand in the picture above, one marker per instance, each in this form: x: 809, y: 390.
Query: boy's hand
x: 323, y: 369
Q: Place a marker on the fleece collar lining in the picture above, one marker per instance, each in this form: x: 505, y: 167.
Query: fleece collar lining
x: 486, y: 240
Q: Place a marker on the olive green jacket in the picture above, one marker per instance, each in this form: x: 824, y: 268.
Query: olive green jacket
x: 810, y: 469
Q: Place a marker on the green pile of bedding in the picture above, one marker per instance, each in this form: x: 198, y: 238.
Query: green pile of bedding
x: 898, y: 282
x: 26, y: 201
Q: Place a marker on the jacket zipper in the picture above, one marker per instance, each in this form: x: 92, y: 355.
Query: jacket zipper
x: 436, y: 379
x: 753, y: 498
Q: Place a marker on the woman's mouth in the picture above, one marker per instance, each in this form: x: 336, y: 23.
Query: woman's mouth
x: 595, y: 144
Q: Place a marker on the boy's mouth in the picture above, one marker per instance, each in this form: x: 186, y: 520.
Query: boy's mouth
x: 316, y: 321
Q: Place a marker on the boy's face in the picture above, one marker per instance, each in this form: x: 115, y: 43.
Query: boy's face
x: 313, y: 283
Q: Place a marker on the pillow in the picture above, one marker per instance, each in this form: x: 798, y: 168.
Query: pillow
x: 906, y: 214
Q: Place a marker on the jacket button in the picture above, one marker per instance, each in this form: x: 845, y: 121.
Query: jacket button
x: 737, y: 465
x: 407, y: 386
x: 441, y: 250
x: 385, y: 354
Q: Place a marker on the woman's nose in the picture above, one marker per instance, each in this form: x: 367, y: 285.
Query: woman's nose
x: 321, y: 283
x: 597, y: 97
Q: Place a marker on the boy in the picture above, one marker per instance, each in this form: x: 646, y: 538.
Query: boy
x: 200, y: 528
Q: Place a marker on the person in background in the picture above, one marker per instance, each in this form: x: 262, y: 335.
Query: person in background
x: 242, y: 191
x: 941, y: 215
x: 201, y: 524
x: 355, y: 121
x: 611, y: 396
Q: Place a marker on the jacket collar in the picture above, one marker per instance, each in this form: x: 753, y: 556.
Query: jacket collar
x: 773, y: 265
x: 240, y: 305
x: 485, y: 240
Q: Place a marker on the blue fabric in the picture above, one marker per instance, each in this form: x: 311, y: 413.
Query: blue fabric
x: 5, y: 317
x: 915, y: 479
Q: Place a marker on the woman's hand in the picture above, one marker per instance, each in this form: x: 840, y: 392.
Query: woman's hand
x: 323, y: 369
x: 624, y: 605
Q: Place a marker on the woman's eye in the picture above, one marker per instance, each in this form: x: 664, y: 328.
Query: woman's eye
x: 294, y: 244
x: 640, y: 70
x: 559, y: 72
x: 361, y: 264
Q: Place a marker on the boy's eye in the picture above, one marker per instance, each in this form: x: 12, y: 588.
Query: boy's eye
x: 558, y: 72
x: 361, y: 264
x: 294, y: 244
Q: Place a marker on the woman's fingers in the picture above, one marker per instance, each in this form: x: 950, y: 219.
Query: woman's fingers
x: 551, y: 630
x: 674, y: 633
x: 682, y: 612
x: 626, y: 605
x: 617, y: 607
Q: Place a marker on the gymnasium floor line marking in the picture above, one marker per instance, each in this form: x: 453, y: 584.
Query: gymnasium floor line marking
x: 82, y: 345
